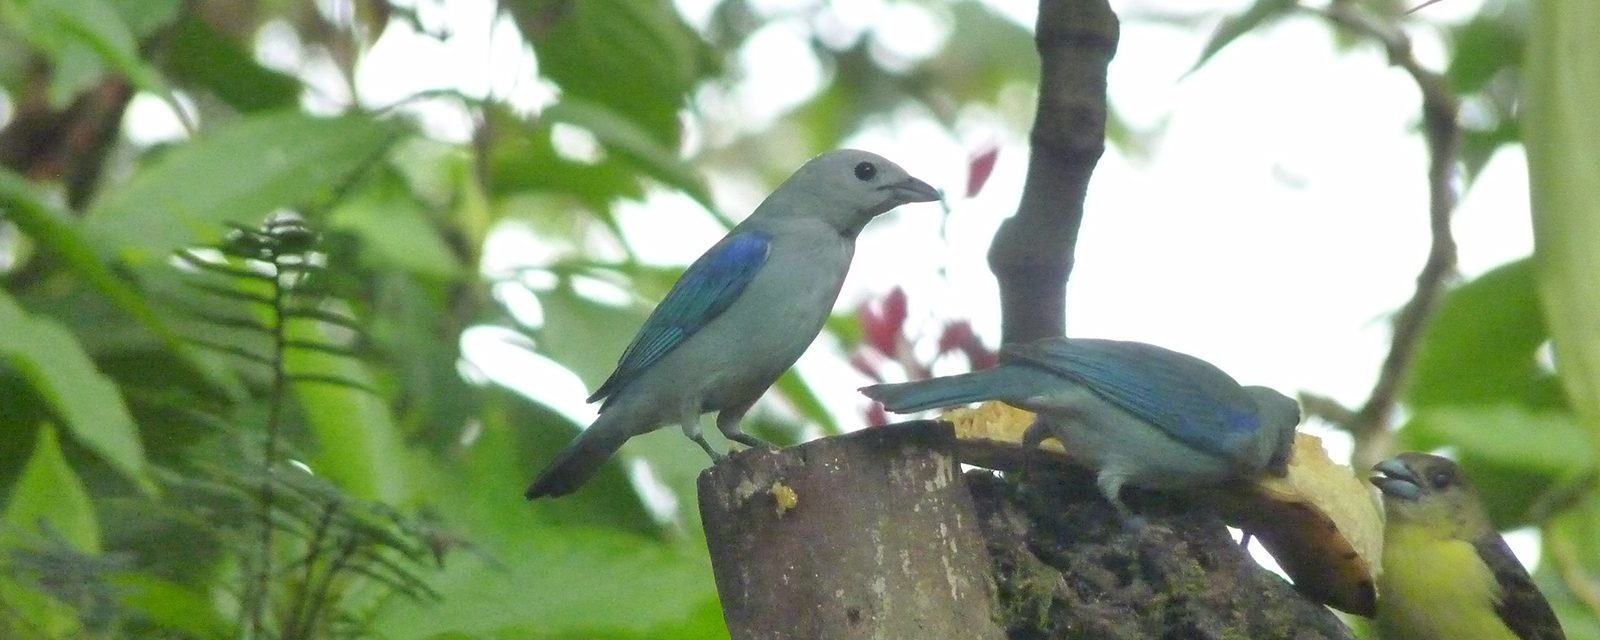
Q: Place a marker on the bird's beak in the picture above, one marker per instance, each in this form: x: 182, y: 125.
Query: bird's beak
x: 912, y: 190
x: 1397, y: 480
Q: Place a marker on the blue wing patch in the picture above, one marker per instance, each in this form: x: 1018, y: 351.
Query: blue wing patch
x: 704, y: 291
x: 1186, y: 397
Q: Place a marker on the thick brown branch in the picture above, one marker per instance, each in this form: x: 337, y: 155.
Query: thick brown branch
x: 1032, y: 252
x: 70, y: 144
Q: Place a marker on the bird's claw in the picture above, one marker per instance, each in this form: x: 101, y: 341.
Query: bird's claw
x: 751, y: 441
x: 716, y: 456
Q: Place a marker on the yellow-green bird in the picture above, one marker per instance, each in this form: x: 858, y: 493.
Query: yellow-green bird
x: 1447, y: 575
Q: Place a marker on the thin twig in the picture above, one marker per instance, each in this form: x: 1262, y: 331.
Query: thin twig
x: 303, y: 606
x: 1369, y: 425
x: 261, y: 594
x: 324, y: 589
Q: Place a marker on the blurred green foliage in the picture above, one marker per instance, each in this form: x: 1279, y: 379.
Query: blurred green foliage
x: 109, y: 415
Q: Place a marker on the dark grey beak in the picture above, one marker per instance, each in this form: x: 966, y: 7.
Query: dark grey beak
x: 1397, y: 480
x: 912, y: 190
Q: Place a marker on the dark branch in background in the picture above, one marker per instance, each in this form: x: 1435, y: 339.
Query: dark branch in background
x: 1031, y: 255
x: 71, y: 144
x: 1369, y: 425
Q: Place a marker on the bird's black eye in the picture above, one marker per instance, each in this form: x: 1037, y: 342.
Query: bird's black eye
x: 1442, y: 479
x: 866, y: 171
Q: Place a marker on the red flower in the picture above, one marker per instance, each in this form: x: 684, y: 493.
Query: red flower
x: 980, y: 167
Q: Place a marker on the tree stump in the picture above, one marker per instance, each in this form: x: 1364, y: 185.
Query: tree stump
x: 867, y: 535
x: 877, y: 534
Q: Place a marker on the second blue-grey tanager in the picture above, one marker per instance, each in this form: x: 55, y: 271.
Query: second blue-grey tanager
x: 741, y: 314
x: 1136, y: 413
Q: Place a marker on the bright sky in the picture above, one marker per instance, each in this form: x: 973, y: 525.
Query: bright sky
x: 1279, y: 222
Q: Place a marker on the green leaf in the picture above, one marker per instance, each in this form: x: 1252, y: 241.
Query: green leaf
x: 633, y: 143
x: 88, y: 402
x: 563, y: 580
x: 1481, y: 344
x: 145, y: 17
x: 1515, y: 455
x: 48, y: 505
x: 1478, y: 146
x: 586, y: 336
x: 83, y: 37
x: 395, y: 230
x: 1543, y: 441
x: 238, y: 173
x: 1259, y: 14
x: 798, y: 390
x: 485, y: 474
x: 1570, y: 548
x: 49, y: 494
x: 522, y: 157
x: 359, y: 447
x: 1480, y: 51
x: 171, y: 606
x: 551, y: 568
x: 1560, y: 125
x: 49, y: 226
x: 637, y: 57
x: 993, y: 53
x: 202, y: 56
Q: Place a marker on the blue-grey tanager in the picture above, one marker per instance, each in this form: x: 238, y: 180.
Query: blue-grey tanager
x: 741, y: 314
x: 1136, y: 413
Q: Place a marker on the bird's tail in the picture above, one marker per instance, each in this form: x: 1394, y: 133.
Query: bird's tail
x: 948, y: 391
x: 578, y: 462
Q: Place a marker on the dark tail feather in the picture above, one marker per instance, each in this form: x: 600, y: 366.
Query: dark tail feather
x: 934, y: 393
x: 575, y: 464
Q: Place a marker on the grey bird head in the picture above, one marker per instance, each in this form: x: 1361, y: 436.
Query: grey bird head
x: 1279, y: 416
x: 847, y: 188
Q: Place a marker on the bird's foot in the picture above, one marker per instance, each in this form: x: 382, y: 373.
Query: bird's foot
x: 1131, y: 522
x: 751, y: 441
x: 716, y: 456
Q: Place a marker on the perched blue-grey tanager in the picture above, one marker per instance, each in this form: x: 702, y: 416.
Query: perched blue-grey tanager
x: 741, y: 314
x: 1136, y: 413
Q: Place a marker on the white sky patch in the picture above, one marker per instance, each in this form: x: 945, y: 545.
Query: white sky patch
x: 494, y: 352
x: 1526, y: 544
x: 674, y: 215
x: 778, y: 71
x: 657, y: 496
x: 149, y: 120
x: 470, y: 48
x: 905, y: 34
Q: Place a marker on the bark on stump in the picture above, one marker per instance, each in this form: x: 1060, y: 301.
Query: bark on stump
x: 880, y: 541
x: 887, y: 539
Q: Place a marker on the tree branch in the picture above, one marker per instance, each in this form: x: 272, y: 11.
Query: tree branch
x: 1032, y: 253
x: 1370, y: 424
